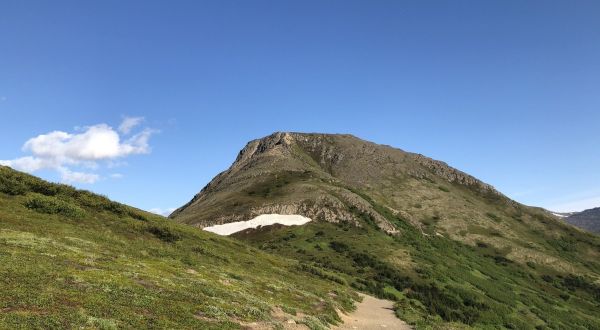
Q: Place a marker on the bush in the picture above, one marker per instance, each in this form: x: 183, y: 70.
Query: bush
x: 164, y: 234
x: 564, y: 244
x: 10, y: 183
x: 573, y: 282
x: 17, y: 183
x: 136, y: 215
x: 339, y: 246
x: 44, y: 188
x: 451, y: 303
x: 52, y: 205
x: 320, y: 273
x: 99, y: 203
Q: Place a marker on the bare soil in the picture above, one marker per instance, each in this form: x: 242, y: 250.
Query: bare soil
x: 372, y: 314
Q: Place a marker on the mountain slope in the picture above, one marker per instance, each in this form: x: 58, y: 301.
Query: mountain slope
x: 588, y: 219
x: 314, y: 174
x: 449, y: 248
x: 72, y: 259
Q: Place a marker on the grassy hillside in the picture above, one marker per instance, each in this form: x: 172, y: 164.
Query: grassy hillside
x: 449, y: 248
x: 441, y: 283
x: 72, y: 259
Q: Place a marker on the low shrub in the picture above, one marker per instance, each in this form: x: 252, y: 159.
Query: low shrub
x: 52, y: 205
x: 320, y: 273
x: 10, y: 184
x: 339, y: 247
x: 164, y: 234
x: 451, y: 304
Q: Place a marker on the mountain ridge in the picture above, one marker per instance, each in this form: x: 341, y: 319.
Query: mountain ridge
x: 279, y: 143
x: 587, y: 219
x: 450, y: 249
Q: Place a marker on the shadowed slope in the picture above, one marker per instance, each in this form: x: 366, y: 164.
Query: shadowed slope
x: 588, y: 219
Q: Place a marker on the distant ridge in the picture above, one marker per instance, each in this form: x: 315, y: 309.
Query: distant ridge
x: 588, y: 219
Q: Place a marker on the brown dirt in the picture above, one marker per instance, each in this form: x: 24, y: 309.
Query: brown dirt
x: 372, y: 314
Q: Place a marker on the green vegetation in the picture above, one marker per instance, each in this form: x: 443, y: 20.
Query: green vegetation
x: 441, y: 283
x: 72, y: 259
x: 459, y: 254
x: 271, y: 186
x: 52, y: 205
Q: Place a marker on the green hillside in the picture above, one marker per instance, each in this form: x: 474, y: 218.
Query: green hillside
x: 451, y: 250
x: 441, y: 283
x: 72, y: 259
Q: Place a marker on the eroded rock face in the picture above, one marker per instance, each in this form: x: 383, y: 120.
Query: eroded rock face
x: 315, y: 212
x: 452, y: 175
x: 276, y: 144
x: 324, y: 208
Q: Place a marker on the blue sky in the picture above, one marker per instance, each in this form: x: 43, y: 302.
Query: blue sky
x: 508, y: 91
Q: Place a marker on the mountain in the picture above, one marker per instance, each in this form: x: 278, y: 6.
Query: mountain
x: 451, y: 250
x: 588, y: 219
x: 75, y: 260
x: 315, y: 174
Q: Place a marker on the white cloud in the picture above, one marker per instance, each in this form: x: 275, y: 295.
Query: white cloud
x: 116, y: 176
x: 129, y: 123
x: 163, y: 212
x: 69, y: 176
x: 29, y: 164
x: 60, y: 150
x: 99, y: 142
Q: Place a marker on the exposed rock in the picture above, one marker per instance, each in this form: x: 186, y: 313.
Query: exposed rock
x: 315, y: 175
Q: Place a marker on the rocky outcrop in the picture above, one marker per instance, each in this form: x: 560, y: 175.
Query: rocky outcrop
x: 453, y: 175
x: 321, y: 174
x: 346, y: 207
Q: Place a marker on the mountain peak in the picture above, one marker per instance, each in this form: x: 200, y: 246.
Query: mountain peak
x: 316, y: 175
x: 282, y: 140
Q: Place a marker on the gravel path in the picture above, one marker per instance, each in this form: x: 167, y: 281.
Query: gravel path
x: 373, y: 314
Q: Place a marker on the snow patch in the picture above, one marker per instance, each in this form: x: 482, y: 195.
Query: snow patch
x: 559, y: 215
x: 261, y: 220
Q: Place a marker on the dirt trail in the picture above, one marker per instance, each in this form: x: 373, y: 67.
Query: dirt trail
x: 372, y: 314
